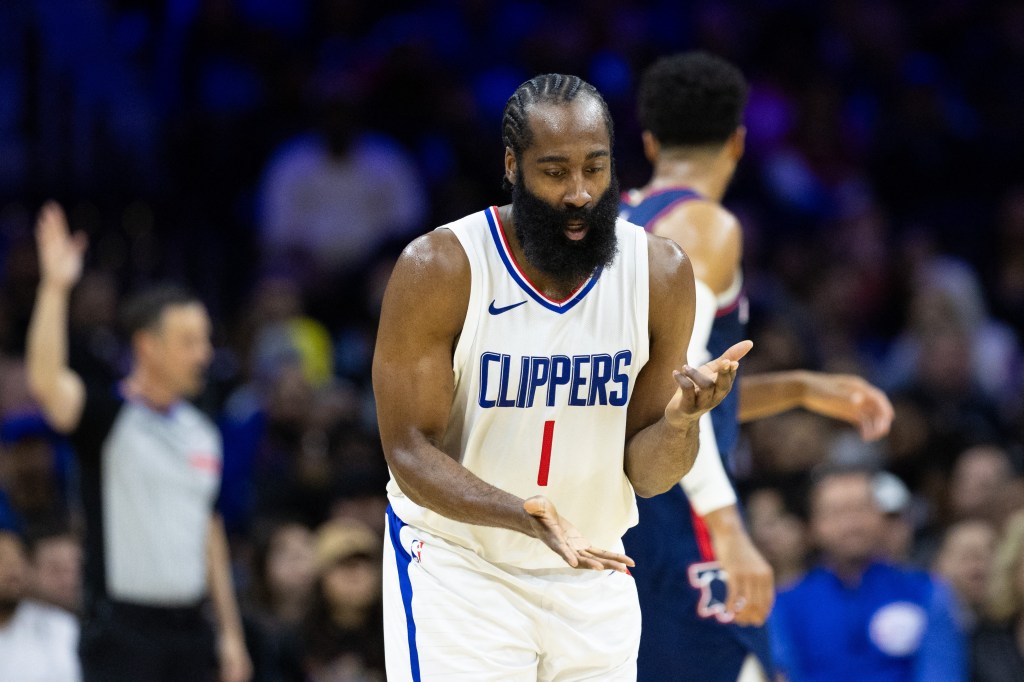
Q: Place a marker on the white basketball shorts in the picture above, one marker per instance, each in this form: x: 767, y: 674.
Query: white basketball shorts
x: 450, y: 615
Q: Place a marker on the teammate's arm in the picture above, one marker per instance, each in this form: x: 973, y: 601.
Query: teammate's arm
x: 59, y: 391
x: 662, y: 422
x: 422, y: 316
x: 841, y: 396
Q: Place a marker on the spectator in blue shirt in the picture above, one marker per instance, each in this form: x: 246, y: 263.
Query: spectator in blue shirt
x: 854, y: 617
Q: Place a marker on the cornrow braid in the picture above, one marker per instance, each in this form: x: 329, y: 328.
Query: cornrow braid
x: 551, y: 88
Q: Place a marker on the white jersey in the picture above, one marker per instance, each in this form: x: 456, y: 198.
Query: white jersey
x: 541, y: 392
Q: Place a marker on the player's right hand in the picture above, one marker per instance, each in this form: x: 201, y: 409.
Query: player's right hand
x: 61, y: 253
x: 567, y: 541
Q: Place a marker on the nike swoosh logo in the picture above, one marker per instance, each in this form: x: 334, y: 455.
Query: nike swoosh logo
x: 498, y: 311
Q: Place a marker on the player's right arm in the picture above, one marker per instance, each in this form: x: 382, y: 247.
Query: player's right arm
x: 414, y: 384
x: 58, y: 390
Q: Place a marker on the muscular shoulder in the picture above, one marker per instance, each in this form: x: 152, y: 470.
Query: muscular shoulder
x: 437, y: 254
x: 430, y: 284
x: 671, y: 280
x: 710, y: 235
x: 669, y: 264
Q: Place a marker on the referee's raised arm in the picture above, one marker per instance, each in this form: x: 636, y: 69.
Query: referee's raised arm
x: 59, y: 391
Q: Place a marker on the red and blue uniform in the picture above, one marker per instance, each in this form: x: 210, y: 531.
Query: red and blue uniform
x: 687, y: 634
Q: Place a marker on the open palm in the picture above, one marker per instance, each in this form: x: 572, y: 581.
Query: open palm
x: 60, y: 253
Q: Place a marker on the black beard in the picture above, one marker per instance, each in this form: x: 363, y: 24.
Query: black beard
x: 540, y: 229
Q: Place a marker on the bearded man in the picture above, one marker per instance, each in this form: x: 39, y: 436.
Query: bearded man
x: 530, y: 378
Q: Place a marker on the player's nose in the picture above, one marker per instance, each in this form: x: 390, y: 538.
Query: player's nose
x: 577, y: 194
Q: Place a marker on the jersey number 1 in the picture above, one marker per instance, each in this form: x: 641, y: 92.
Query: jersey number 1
x: 545, y: 453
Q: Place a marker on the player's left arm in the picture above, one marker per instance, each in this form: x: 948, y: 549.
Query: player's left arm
x: 670, y: 396
x: 845, y: 397
x: 235, y: 664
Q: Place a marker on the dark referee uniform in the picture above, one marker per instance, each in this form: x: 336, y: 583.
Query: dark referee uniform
x: 149, y: 482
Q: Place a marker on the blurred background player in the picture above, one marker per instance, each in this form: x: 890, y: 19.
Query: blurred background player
x: 691, y: 538
x: 854, y: 616
x: 150, y: 465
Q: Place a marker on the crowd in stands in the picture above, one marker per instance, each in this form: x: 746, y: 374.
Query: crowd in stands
x: 276, y: 156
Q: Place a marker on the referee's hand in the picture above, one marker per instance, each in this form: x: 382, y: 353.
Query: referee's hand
x: 235, y: 665
x: 567, y: 541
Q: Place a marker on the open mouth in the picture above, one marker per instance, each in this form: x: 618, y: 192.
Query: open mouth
x: 576, y: 230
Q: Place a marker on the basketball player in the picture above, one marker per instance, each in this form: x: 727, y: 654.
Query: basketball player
x: 692, y: 538
x: 529, y: 378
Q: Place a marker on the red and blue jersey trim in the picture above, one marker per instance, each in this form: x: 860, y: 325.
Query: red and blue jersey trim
x: 520, y: 278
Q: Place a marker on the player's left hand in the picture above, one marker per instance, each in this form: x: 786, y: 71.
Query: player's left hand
x: 235, y: 665
x: 851, y: 399
x: 567, y: 541
x: 749, y: 578
x: 701, y: 389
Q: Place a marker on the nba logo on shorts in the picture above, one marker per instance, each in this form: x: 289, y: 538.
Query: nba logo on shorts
x: 416, y: 550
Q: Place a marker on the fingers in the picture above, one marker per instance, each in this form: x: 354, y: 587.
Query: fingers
x: 607, y: 560
x: 566, y: 541
x: 52, y: 221
x: 750, y: 597
x: 875, y: 412
x: 592, y: 563
x: 738, y: 350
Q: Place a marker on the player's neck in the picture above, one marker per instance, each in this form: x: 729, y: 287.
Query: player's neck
x: 142, y: 385
x: 708, y: 175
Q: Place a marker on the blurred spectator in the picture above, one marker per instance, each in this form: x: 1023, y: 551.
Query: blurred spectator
x: 284, y: 570
x: 997, y: 652
x: 853, y: 617
x: 281, y: 589
x: 964, y: 561
x: 33, y: 470
x: 893, y: 500
x: 779, y: 533
x: 37, y: 642
x: 949, y: 374
x: 978, y: 475
x: 947, y: 299
x: 56, y: 555
x: 344, y: 633
x: 330, y: 198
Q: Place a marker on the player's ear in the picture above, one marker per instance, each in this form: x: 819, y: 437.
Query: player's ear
x: 510, y: 166
x: 738, y: 143
x: 651, y: 146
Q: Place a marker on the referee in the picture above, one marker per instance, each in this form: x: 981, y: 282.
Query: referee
x: 150, y: 468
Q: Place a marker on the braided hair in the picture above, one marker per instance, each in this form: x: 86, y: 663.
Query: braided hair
x: 552, y: 88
